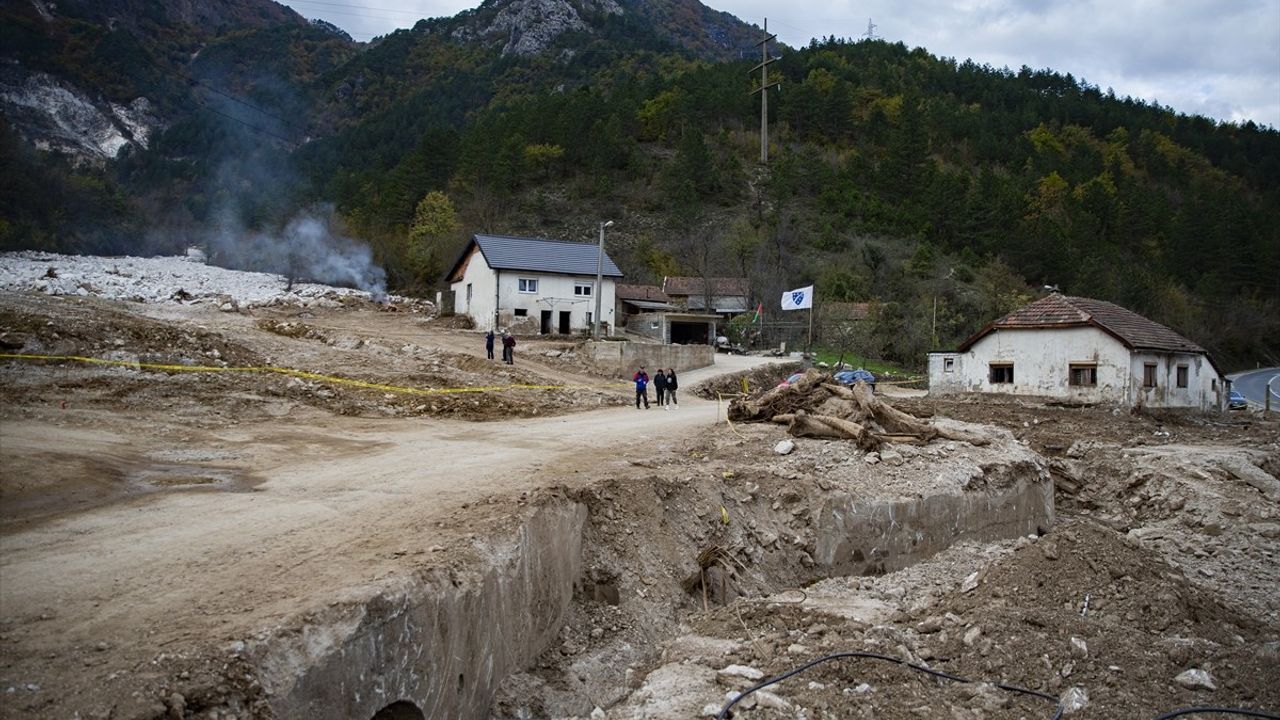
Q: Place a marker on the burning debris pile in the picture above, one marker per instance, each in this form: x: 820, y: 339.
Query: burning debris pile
x: 817, y: 406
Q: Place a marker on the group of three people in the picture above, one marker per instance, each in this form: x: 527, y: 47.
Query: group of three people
x: 665, y: 384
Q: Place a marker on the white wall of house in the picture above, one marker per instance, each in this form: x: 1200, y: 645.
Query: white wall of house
x: 476, y: 293
x: 1042, y: 361
x: 505, y: 289
x: 1202, y: 384
x: 1046, y: 361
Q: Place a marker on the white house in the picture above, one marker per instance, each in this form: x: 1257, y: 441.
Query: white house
x: 502, y: 281
x: 1081, y: 350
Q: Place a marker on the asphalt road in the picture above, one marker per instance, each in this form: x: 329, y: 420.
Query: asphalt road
x: 1253, y: 385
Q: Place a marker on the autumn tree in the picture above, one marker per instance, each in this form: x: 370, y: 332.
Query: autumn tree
x: 435, y: 225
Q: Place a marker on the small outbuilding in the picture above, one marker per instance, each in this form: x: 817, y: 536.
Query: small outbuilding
x: 1084, y: 351
x: 549, y: 286
x: 720, y: 296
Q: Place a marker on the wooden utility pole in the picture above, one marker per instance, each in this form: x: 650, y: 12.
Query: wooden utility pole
x: 763, y: 67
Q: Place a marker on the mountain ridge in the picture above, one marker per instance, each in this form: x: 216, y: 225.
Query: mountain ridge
x: 896, y: 177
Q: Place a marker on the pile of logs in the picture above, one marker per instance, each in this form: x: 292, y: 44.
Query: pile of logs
x: 818, y: 406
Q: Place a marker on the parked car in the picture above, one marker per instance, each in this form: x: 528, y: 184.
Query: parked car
x: 723, y: 345
x: 852, y: 377
x: 1236, y: 401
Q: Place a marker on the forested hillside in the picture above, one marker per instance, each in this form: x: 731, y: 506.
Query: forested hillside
x: 896, y: 177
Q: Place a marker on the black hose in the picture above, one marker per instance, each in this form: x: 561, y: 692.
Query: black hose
x: 724, y: 711
x: 1216, y: 710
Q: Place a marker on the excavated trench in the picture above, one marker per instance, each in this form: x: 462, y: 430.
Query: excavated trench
x: 569, y: 604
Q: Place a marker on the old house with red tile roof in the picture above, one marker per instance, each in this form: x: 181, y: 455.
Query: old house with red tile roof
x: 1076, y: 349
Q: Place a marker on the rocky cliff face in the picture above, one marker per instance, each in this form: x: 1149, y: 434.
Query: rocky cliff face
x: 54, y: 115
x: 532, y: 25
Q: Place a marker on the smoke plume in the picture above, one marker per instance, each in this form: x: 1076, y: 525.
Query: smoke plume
x: 307, y: 248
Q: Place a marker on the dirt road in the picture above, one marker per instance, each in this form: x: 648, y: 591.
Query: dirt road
x: 272, y: 519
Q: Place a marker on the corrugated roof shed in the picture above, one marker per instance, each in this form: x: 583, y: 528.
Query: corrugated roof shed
x: 504, y: 252
x: 652, y: 293
x: 1130, y: 328
x: 722, y: 286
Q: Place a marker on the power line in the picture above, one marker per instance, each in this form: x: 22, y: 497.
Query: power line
x: 359, y: 15
x: 250, y: 125
x: 243, y: 102
x: 354, y: 7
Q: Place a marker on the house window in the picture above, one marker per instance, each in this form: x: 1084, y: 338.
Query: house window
x: 582, y: 289
x: 949, y: 365
x: 1001, y: 373
x: 653, y: 325
x: 1182, y: 376
x: 468, y: 296
x: 528, y: 285
x: 1149, y: 375
x: 589, y: 320
x: 1083, y: 375
x: 522, y: 312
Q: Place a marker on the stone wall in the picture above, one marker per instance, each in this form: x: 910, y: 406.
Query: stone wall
x: 621, y: 358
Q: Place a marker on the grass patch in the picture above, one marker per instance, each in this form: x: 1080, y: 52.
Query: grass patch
x: 877, y: 367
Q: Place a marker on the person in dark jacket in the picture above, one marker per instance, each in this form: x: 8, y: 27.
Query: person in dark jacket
x: 672, y: 385
x: 509, y: 348
x: 660, y: 385
x: 488, y: 344
x: 641, y: 379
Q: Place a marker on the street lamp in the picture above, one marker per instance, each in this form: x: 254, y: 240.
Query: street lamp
x: 595, y: 319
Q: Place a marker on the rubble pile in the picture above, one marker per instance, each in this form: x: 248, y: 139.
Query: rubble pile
x: 817, y: 406
x: 186, y: 280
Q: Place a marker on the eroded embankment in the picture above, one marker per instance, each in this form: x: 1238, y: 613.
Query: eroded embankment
x: 570, y: 602
x: 439, y: 641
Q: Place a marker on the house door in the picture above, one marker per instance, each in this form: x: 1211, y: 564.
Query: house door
x: 564, y: 322
x: 545, y: 328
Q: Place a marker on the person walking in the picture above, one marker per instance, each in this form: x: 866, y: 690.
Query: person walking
x: 672, y: 385
x: 509, y: 348
x: 488, y: 344
x: 660, y: 385
x: 641, y: 379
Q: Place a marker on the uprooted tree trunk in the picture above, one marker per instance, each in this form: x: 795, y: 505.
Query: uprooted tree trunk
x: 802, y: 424
x: 779, y: 400
x: 815, y: 407
x: 899, y: 423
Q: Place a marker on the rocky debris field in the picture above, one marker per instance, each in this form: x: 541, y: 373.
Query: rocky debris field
x: 707, y: 559
x: 1081, y: 614
x: 1154, y: 590
x: 184, y: 279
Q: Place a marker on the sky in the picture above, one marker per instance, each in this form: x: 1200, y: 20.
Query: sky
x: 1219, y: 58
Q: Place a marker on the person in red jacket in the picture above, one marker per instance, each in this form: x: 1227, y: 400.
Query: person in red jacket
x: 641, y: 379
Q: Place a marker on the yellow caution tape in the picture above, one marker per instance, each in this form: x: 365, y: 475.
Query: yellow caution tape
x: 304, y: 374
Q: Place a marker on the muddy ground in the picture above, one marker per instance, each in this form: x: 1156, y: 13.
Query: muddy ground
x: 155, y: 521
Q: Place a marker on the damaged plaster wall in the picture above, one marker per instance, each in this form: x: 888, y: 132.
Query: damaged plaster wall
x: 1042, y: 360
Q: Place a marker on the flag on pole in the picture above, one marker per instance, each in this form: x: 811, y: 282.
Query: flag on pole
x: 798, y: 299
x: 759, y: 308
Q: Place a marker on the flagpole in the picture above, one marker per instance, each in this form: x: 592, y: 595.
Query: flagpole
x: 812, y: 297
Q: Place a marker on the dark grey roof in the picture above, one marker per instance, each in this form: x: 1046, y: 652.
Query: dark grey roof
x: 503, y: 252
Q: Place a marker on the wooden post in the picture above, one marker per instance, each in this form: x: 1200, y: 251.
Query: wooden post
x: 810, y: 325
